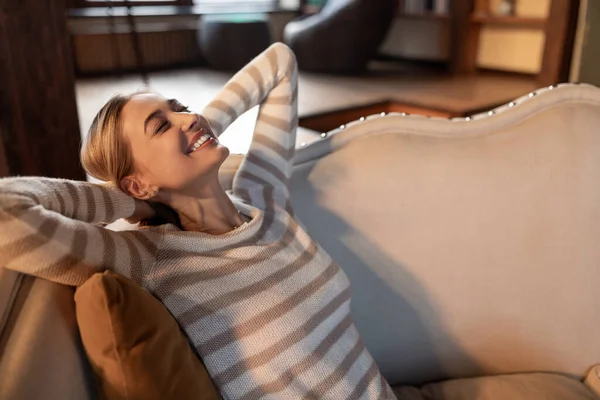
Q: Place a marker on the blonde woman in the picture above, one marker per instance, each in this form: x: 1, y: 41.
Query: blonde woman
x: 262, y: 303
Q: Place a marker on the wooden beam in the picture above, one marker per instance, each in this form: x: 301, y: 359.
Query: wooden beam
x: 558, y: 47
x: 464, y: 37
x: 3, y: 163
x: 39, y: 128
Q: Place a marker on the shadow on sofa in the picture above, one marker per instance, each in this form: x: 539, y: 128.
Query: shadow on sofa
x: 401, y: 328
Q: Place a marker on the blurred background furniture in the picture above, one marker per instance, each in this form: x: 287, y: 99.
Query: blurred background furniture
x: 230, y: 41
x: 343, y: 37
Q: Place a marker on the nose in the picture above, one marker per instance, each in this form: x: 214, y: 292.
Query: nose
x: 190, y: 122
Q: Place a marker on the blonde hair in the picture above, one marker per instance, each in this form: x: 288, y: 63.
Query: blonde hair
x: 106, y: 152
x: 106, y: 155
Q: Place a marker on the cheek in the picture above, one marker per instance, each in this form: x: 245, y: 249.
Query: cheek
x: 178, y: 170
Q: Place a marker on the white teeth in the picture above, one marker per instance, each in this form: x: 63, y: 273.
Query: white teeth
x: 201, y: 141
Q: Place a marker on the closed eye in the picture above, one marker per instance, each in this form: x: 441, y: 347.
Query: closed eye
x: 162, y: 127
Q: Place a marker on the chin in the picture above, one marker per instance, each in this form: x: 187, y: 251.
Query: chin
x: 224, y: 150
x: 218, y: 156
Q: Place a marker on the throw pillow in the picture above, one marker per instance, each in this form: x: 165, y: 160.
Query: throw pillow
x: 135, y: 346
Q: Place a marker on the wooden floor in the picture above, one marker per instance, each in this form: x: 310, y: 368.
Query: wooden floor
x: 317, y: 93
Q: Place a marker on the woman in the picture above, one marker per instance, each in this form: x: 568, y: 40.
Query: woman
x: 263, y: 304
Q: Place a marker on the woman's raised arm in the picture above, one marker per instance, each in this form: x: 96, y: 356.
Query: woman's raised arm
x: 47, y: 230
x: 271, y: 81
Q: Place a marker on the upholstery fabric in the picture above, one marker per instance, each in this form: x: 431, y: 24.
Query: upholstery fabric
x: 536, y: 386
x: 471, y: 246
x: 135, y: 346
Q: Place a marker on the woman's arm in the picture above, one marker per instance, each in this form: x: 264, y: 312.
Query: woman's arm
x: 46, y: 230
x: 271, y: 81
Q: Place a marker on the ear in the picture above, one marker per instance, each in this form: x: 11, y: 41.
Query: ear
x: 135, y: 187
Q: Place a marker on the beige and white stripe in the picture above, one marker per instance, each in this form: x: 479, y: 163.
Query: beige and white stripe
x: 265, y: 306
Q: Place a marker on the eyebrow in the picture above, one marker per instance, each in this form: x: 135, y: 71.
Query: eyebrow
x: 155, y: 113
x: 149, y: 118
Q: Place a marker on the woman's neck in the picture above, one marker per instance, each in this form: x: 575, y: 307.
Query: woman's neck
x: 207, y: 209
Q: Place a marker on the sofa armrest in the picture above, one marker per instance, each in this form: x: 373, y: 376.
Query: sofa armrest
x: 41, y: 355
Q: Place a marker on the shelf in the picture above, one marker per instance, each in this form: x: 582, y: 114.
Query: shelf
x: 510, y: 22
x: 424, y: 15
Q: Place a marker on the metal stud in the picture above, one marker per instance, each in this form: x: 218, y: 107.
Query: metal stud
x: 303, y: 144
x: 404, y: 114
x: 323, y: 135
x: 468, y: 119
x: 532, y: 94
x: 491, y: 112
x: 551, y: 87
x: 512, y: 104
x: 361, y: 119
x: 383, y: 114
x: 342, y: 126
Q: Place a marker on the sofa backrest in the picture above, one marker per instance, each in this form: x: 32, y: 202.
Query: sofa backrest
x: 473, y: 246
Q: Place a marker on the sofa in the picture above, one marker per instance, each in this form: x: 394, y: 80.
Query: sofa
x: 472, y: 247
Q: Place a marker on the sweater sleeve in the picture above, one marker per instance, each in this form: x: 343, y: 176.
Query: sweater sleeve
x: 271, y: 81
x: 47, y: 230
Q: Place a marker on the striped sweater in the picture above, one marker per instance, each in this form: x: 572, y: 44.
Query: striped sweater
x: 264, y: 305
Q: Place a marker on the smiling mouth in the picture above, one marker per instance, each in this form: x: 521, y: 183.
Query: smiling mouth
x: 202, y: 139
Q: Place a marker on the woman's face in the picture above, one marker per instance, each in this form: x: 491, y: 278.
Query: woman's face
x: 164, y: 138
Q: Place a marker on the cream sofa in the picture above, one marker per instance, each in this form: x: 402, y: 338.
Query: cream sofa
x: 472, y: 245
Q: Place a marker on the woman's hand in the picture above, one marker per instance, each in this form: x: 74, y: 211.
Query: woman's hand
x: 142, y: 211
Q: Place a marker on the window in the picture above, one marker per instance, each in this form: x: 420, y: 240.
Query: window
x: 212, y: 4
x: 223, y: 2
x: 120, y: 3
x: 287, y: 4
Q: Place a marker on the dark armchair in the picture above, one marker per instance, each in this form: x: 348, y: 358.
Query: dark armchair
x: 343, y: 37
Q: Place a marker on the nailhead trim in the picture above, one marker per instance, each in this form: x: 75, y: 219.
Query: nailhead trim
x: 468, y: 118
